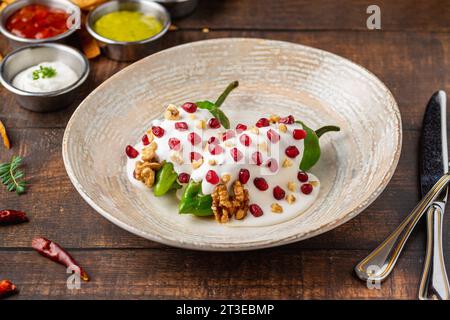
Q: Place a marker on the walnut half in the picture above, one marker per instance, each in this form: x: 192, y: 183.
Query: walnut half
x: 226, y: 205
x: 144, y: 171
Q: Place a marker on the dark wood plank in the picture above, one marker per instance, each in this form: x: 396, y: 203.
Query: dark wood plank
x: 412, y: 65
x: 55, y: 207
x: 281, y: 273
x: 417, y: 15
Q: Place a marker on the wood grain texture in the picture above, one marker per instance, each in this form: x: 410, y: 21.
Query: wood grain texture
x: 282, y: 273
x: 296, y: 15
x: 410, y: 55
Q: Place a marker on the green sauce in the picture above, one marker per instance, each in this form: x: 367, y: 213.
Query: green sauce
x: 127, y: 26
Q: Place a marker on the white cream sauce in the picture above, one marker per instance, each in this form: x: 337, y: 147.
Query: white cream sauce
x: 63, y: 78
x: 226, y: 165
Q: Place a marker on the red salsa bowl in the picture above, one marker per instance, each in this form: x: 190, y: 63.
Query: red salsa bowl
x: 37, y: 21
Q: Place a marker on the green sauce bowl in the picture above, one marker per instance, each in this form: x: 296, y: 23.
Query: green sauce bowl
x: 133, y: 49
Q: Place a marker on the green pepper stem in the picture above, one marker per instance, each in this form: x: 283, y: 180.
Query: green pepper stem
x: 326, y: 129
x: 225, y: 94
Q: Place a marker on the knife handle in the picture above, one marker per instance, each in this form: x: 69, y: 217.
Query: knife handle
x: 381, y: 261
x: 434, y: 283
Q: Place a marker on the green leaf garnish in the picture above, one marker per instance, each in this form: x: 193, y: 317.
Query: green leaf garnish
x: 312, y: 152
x: 44, y: 72
x: 12, y: 177
x: 214, y: 108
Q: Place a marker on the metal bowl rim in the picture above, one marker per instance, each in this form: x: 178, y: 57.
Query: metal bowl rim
x: 85, y: 73
x: 98, y: 37
x: 58, y: 37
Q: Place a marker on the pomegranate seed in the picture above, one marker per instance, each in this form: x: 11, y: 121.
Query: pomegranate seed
x: 278, y: 193
x: 306, y: 188
x: 241, y: 127
x: 287, y: 120
x: 182, y: 126
x: 292, y: 151
x: 195, y: 156
x: 145, y: 140
x: 261, y: 184
x: 245, y: 140
x: 256, y: 210
x: 273, y: 136
x: 212, y: 177
x: 302, y: 176
x: 215, y: 149
x: 299, y: 134
x: 272, y: 164
x: 257, y: 158
x: 236, y: 154
x: 174, y: 144
x: 194, y: 138
x: 263, y: 122
x: 228, y: 135
x: 213, y: 140
x: 158, y: 131
x: 244, y: 175
x: 131, y: 152
x: 189, y: 107
x: 214, y: 123
x: 184, y: 177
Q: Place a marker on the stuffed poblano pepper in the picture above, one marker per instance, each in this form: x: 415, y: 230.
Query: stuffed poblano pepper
x: 234, y: 169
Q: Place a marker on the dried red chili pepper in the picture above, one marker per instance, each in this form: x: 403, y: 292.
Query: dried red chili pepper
x: 7, y: 288
x: 12, y: 217
x: 55, y: 253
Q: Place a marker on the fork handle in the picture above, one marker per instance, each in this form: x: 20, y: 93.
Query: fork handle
x: 380, y: 262
x: 434, y: 283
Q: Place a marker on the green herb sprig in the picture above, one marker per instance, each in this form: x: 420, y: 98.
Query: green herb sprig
x: 12, y: 177
x: 214, y: 108
x: 44, y: 72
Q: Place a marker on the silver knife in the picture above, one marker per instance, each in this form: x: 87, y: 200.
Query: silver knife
x: 434, y: 163
x: 377, y: 266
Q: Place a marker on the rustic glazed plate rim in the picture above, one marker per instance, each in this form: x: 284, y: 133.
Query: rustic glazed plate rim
x: 395, y: 112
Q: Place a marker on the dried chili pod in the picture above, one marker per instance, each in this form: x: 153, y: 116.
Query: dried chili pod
x: 12, y: 217
x: 56, y: 253
x: 7, y: 288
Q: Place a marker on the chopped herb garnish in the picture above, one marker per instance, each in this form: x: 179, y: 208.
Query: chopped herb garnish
x: 11, y: 176
x: 44, y: 72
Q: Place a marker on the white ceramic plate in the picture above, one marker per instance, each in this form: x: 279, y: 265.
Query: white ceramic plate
x: 275, y: 77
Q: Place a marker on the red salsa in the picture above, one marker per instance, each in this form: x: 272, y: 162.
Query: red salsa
x: 37, y: 22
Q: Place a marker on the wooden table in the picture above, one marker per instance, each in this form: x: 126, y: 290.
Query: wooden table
x: 411, y: 55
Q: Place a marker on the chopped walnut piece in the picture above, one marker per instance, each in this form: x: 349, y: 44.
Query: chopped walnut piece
x: 226, y: 205
x: 291, y: 186
x: 286, y: 163
x: 282, y: 127
x: 314, y: 183
x: 144, y: 172
x: 172, y: 113
x: 290, y: 199
x: 197, y: 163
x: 177, y: 158
x: 274, y: 118
x: 148, y: 154
x: 212, y: 162
x: 276, y: 208
x: 254, y: 130
x: 226, y: 178
x: 201, y: 124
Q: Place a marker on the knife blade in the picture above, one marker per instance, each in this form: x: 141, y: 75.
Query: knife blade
x: 434, y: 150
x: 434, y: 164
